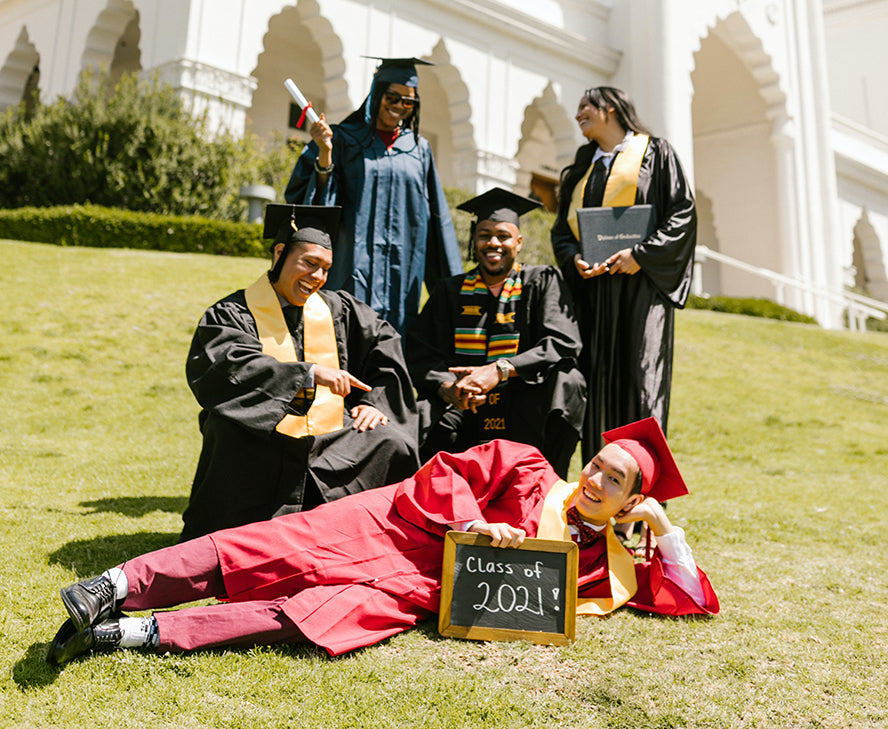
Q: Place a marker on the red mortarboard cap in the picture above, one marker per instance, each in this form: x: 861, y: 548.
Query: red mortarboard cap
x: 645, y: 442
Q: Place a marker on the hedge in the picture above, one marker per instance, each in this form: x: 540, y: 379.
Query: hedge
x: 749, y: 307
x: 100, y: 227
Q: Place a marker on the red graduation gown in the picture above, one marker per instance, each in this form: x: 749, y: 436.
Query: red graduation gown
x: 367, y: 566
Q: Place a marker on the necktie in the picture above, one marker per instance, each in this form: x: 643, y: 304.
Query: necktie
x: 594, y: 192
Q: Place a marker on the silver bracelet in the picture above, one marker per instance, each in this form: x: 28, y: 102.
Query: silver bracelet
x: 323, y: 170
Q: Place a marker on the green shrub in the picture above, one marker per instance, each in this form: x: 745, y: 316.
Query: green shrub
x: 749, y: 307
x: 98, y: 227
x: 133, y: 146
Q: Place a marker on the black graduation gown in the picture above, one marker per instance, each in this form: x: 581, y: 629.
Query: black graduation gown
x: 249, y: 472
x: 545, y: 401
x: 627, y: 322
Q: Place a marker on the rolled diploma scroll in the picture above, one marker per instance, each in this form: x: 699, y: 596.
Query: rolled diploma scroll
x: 310, y: 113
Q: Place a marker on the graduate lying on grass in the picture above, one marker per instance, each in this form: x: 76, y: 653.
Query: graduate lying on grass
x: 361, y: 569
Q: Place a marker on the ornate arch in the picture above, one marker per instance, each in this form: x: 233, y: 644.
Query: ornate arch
x: 318, y: 40
x: 735, y: 32
x: 20, y: 71
x: 869, y: 265
x: 111, y: 39
x: 462, y: 149
x: 562, y: 128
x: 546, y: 145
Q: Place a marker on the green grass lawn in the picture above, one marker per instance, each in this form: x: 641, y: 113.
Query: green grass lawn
x: 781, y: 431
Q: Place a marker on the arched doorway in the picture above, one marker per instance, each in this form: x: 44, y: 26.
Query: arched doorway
x: 20, y: 74
x: 446, y: 119
x: 736, y: 100
x: 547, y: 145
x: 869, y: 266
x: 113, y: 41
x: 299, y: 44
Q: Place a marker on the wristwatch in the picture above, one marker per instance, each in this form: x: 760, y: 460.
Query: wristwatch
x: 504, y: 368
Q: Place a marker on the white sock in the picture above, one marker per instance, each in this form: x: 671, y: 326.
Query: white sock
x: 135, y: 632
x: 121, y: 584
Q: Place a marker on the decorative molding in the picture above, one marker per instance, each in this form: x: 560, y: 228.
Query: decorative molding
x: 495, y: 168
x: 207, y: 81
x: 526, y: 29
x: 837, y: 6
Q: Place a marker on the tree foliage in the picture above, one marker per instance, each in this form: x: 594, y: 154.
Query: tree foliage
x: 133, y: 146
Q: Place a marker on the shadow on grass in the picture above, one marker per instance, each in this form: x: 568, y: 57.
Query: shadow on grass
x: 138, y: 505
x: 33, y: 671
x: 88, y: 557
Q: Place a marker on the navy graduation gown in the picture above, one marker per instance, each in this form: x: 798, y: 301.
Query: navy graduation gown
x: 396, y: 228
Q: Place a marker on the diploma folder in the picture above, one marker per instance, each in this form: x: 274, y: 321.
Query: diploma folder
x: 604, y: 231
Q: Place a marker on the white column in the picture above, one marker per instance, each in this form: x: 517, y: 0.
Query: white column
x: 657, y: 65
x: 796, y: 257
x: 818, y: 174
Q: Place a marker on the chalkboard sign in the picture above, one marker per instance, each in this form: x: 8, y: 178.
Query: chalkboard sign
x: 492, y: 593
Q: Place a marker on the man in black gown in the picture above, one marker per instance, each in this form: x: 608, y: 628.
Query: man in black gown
x: 493, y: 353
x: 305, y: 393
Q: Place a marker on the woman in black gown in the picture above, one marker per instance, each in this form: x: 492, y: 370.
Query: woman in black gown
x: 625, y: 305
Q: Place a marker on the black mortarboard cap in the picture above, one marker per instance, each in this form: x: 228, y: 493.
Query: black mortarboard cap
x: 499, y: 205
x: 399, y: 70
x: 316, y: 224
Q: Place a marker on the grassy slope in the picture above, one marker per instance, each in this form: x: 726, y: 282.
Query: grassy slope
x: 780, y: 429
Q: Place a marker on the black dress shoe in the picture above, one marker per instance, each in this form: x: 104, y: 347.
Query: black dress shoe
x: 89, y: 601
x: 70, y: 642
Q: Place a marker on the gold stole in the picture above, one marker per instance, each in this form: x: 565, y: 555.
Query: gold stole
x: 622, y: 182
x: 319, y: 343
x: 621, y: 568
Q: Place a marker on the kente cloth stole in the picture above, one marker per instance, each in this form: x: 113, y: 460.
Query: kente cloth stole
x: 622, y: 181
x: 478, y: 335
x: 484, y: 336
x: 621, y: 568
x: 319, y: 344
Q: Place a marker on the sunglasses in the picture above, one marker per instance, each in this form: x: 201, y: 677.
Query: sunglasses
x: 408, y: 102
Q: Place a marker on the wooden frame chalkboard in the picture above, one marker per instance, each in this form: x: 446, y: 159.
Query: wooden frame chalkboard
x: 492, y: 593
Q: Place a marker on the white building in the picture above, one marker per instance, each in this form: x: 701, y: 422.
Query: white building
x: 773, y: 105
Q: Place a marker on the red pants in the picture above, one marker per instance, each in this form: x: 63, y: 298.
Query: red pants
x: 190, y: 571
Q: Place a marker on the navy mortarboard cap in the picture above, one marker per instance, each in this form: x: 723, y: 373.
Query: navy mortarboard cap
x: 399, y: 70
x: 316, y: 224
x: 499, y: 205
x: 645, y: 441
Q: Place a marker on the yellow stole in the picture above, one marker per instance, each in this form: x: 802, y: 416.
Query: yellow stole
x: 622, y: 182
x: 326, y: 413
x: 621, y: 568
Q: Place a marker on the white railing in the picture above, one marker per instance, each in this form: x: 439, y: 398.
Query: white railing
x: 859, y: 307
